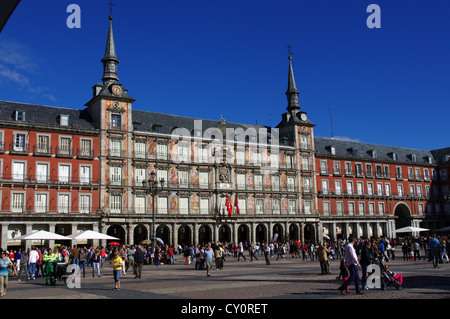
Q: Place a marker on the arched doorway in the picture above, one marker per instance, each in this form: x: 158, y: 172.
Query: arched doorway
x: 163, y: 232
x: 140, y: 234
x: 117, y: 231
x: 309, y: 232
x: 225, y: 234
x: 403, y: 216
x: 184, y: 235
x: 278, y: 233
x: 204, y: 235
x: 243, y: 235
x: 261, y: 233
x: 293, y: 232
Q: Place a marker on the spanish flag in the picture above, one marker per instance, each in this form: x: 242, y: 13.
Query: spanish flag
x: 229, y: 207
x: 236, y: 204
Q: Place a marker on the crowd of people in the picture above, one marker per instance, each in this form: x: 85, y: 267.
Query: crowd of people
x: 353, y: 254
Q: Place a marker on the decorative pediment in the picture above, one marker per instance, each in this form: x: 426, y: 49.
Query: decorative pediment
x: 115, y: 108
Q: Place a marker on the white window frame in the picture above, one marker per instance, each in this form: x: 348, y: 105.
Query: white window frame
x: 18, y: 202
x: 183, y: 205
x: 64, y: 203
x: 84, y: 203
x: 41, y: 202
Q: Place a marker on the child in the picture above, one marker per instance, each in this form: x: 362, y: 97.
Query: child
x: 399, y: 277
x: 117, y: 268
x: 343, y: 275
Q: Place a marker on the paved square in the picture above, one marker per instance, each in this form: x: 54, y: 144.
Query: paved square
x: 292, y: 278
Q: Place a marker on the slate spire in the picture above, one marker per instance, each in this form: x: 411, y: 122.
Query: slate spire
x: 292, y: 92
x: 110, y: 59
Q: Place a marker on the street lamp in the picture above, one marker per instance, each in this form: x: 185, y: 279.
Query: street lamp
x: 153, y: 187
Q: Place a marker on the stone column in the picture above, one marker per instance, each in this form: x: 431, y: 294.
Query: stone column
x: 51, y: 228
x: 4, y: 238
x: 175, y: 235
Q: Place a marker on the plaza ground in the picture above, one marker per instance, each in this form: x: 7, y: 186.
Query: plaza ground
x: 289, y: 279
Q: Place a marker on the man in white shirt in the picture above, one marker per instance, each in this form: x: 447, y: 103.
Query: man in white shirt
x: 351, y: 261
x: 32, y: 260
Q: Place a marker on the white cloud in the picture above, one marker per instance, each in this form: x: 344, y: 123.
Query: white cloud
x: 13, y: 75
x: 18, y: 65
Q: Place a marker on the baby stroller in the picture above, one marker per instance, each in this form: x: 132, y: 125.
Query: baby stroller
x: 388, y: 278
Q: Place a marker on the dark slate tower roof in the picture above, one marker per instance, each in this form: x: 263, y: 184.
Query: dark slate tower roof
x: 292, y: 92
x: 110, y: 60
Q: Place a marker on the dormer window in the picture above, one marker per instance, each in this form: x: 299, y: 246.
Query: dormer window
x: 20, y: 116
x: 64, y: 120
x: 156, y: 128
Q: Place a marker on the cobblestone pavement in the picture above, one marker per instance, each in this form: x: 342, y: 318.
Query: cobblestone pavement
x: 292, y: 278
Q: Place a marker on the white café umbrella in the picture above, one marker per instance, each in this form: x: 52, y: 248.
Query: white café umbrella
x: 410, y: 229
x: 444, y: 229
x: 90, y: 234
x: 42, y: 235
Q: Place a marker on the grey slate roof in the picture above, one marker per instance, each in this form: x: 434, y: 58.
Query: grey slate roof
x: 364, y: 151
x: 168, y: 122
x: 442, y: 155
x: 46, y: 115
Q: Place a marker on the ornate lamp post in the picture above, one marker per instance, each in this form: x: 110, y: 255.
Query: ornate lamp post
x: 153, y: 187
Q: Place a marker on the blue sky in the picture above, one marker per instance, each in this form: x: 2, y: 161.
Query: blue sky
x: 207, y: 58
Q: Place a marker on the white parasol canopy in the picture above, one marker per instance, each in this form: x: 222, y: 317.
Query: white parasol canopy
x: 410, y: 229
x: 444, y: 229
x: 42, y: 235
x: 89, y: 234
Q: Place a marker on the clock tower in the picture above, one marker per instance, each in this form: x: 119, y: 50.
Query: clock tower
x: 297, y: 130
x: 111, y: 108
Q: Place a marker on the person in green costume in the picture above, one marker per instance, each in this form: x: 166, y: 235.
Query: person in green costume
x: 49, y: 267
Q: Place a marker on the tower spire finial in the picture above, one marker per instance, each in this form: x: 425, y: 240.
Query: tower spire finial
x: 290, y: 52
x: 110, y: 4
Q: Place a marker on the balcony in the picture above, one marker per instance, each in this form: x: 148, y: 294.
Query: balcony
x: 64, y: 152
x: 116, y: 153
x: 42, y: 150
x: 53, y: 180
x: 85, y: 153
x: 19, y: 148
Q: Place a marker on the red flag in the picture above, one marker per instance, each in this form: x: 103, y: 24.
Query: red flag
x: 229, y: 208
x: 236, y: 204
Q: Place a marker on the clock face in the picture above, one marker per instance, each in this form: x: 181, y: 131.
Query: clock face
x: 303, y: 117
x: 116, y: 89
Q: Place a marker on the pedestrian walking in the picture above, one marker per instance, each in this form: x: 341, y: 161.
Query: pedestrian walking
x: 5, y: 263
x: 82, y: 256
x: 351, y: 260
x: 24, y: 264
x: 139, y: 257
x: 32, y: 261
x: 95, y: 260
x: 443, y: 250
x: 322, y: 256
x: 433, y: 244
x: 117, y: 262
x: 252, y: 249
x: 208, y: 257
x: 241, y: 252
x: 366, y: 259
x: 217, y: 256
x: 266, y: 254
